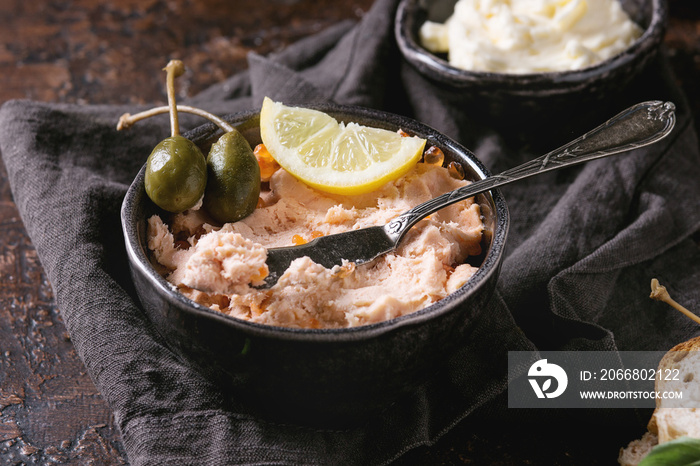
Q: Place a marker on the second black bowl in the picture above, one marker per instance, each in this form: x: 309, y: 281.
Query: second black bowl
x: 537, y: 98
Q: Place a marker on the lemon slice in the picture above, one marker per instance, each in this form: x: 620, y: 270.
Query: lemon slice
x: 332, y: 156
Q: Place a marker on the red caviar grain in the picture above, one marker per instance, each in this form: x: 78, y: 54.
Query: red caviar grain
x: 434, y: 156
x: 268, y: 165
x: 456, y: 170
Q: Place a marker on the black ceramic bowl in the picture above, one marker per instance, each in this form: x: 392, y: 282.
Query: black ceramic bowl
x: 317, y: 376
x: 538, y: 94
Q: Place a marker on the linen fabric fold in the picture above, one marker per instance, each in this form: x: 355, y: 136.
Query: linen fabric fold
x: 583, y: 246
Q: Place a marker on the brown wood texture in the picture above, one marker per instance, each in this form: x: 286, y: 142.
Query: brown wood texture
x: 94, y: 51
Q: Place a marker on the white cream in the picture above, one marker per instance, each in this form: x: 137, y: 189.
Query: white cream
x: 531, y: 36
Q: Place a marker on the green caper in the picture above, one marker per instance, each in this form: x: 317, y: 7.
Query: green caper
x: 176, y: 174
x: 233, y: 179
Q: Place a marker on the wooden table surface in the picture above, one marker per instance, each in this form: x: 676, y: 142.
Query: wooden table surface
x: 93, y: 52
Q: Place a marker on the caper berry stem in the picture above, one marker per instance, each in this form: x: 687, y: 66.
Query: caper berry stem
x: 173, y: 69
x: 126, y: 120
x: 659, y: 293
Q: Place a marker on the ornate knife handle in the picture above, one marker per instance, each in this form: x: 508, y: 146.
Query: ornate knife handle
x: 638, y: 126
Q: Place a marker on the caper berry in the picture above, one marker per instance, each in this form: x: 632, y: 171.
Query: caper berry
x: 176, y: 174
x: 233, y: 179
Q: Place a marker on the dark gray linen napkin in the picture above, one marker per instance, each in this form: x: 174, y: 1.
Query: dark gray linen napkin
x: 583, y: 246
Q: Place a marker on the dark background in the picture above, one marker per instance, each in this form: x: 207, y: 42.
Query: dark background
x: 112, y: 52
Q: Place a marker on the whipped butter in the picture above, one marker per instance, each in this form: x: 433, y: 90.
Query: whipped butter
x: 531, y: 36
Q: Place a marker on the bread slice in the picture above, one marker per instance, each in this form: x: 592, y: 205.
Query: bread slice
x: 672, y: 418
x: 675, y: 418
x: 637, y: 450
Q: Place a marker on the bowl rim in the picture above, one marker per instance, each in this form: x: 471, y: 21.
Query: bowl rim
x: 441, y: 70
x: 489, y: 266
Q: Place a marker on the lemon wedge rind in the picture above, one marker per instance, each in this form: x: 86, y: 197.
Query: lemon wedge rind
x: 332, y: 156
